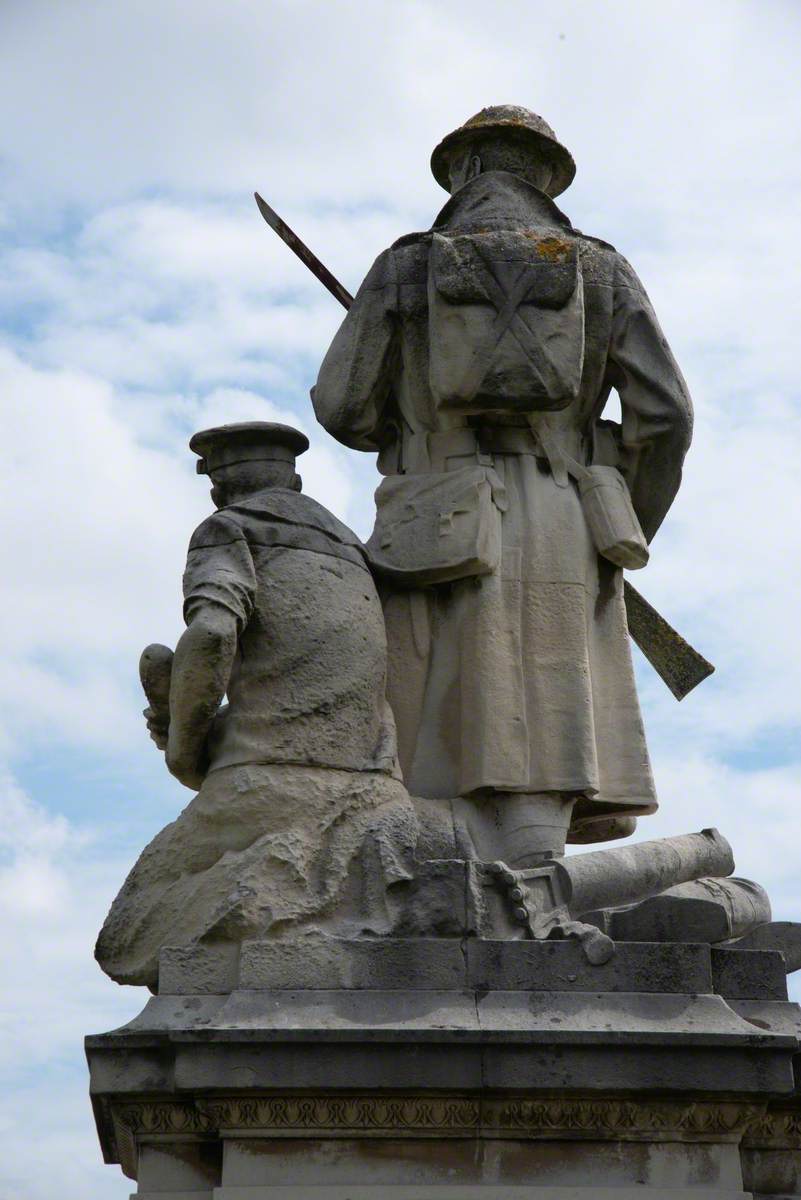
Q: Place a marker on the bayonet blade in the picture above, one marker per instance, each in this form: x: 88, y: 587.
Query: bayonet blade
x: 291, y: 239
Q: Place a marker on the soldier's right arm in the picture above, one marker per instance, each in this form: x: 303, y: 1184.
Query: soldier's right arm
x: 354, y: 387
x: 656, y: 407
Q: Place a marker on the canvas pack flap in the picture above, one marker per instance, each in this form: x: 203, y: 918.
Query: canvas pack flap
x: 506, y: 321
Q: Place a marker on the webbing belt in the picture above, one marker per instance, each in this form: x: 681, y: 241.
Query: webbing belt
x: 431, y: 451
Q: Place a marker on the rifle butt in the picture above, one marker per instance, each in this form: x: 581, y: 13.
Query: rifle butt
x: 676, y: 662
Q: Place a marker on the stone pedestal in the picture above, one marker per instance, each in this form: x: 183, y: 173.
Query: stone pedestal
x: 448, y: 1070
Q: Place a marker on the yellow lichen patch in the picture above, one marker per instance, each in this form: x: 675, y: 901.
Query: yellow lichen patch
x: 553, y: 248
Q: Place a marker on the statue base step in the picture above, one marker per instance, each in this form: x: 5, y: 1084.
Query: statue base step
x: 448, y: 1070
x: 452, y: 1193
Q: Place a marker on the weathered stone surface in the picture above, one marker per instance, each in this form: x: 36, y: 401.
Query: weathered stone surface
x: 510, y: 1107
x: 561, y: 966
x: 332, y: 963
x: 704, y: 910
x: 511, y: 1165
x: 410, y: 1140
x: 488, y: 1191
x: 260, y: 847
x: 784, y: 936
x: 776, y: 1015
x: 636, y: 871
x: 316, y: 961
x: 625, y: 1034
x: 198, y: 970
x: 354, y: 1091
x: 283, y: 617
x: 355, y: 998
x: 476, y: 358
x: 179, y: 1169
x: 749, y: 974
x: 771, y: 1152
x: 447, y: 898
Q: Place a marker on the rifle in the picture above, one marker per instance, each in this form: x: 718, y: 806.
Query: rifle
x: 676, y: 662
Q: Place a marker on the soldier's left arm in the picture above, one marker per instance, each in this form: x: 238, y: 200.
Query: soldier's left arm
x: 219, y: 589
x: 204, y: 657
x: 657, y: 414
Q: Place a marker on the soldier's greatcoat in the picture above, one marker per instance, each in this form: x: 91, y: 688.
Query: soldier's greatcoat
x: 520, y: 680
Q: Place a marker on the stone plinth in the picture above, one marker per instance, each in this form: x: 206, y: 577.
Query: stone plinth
x: 447, y: 1070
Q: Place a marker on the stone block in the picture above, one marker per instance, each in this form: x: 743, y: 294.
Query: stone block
x: 771, y: 1172
x: 178, y: 1169
x: 410, y: 1161
x: 198, y: 970
x: 777, y: 1016
x: 533, y: 1191
x: 444, y: 900
x: 143, y: 1068
x: 339, y: 1065
x: 749, y: 974
x: 651, y: 1068
x: 341, y: 1014
x: 614, y: 1018
x: 559, y: 966
x: 784, y: 936
x: 330, y: 963
x: 455, y: 1066
x: 180, y: 1194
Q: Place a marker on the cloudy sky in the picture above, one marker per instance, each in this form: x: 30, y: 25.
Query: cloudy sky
x: 142, y: 298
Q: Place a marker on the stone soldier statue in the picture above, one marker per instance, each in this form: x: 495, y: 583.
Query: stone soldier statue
x: 477, y: 359
x: 282, y: 616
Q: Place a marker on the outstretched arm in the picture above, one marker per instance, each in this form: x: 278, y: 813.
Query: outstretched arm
x: 200, y: 673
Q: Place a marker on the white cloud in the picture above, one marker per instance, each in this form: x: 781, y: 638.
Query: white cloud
x: 144, y: 298
x: 55, y: 885
x: 758, y: 811
x: 343, y: 101
x: 190, y: 294
x: 729, y: 566
x: 103, y: 519
x: 92, y: 541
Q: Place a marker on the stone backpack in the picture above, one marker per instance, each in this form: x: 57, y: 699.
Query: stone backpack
x: 506, y: 321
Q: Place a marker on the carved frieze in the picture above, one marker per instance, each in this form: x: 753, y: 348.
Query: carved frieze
x: 456, y: 1116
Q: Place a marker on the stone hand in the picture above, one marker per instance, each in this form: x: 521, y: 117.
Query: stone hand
x: 155, y: 670
x: 158, y: 726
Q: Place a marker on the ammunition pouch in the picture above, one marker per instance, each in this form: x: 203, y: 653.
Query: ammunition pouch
x: 611, y: 518
x: 437, y: 527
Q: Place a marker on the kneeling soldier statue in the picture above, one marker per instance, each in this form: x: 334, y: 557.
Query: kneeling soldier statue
x: 283, y: 616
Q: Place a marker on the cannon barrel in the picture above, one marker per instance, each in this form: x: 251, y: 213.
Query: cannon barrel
x: 626, y: 874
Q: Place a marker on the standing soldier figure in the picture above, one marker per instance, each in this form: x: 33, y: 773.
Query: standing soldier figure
x: 477, y: 359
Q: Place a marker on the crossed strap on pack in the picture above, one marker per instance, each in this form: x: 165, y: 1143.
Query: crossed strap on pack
x: 507, y: 318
